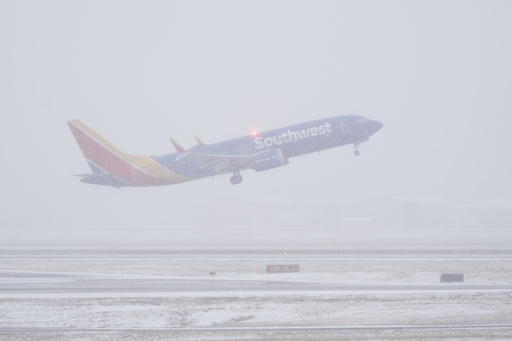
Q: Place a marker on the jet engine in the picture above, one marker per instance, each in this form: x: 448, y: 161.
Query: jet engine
x: 268, y: 159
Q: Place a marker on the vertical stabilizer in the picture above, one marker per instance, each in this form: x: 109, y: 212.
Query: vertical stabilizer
x: 102, y: 156
x: 110, y: 166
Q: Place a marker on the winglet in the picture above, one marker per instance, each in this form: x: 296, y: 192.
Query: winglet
x: 179, y: 148
x: 199, y: 141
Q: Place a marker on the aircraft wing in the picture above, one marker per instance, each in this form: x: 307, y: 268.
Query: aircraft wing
x: 219, y: 163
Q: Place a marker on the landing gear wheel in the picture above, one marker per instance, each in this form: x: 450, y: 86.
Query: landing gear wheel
x: 356, y: 152
x: 236, y: 178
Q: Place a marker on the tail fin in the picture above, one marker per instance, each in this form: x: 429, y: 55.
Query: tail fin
x: 110, y: 166
x: 102, y: 156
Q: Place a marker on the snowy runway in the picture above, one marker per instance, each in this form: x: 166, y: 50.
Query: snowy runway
x: 159, y: 297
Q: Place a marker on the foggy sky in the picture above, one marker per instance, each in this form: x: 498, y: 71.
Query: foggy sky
x: 436, y: 73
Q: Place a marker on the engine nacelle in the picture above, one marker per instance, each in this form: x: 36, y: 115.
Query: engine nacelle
x: 269, y: 159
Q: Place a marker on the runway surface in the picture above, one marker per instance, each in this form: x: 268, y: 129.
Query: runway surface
x: 169, y: 295
x: 37, y: 283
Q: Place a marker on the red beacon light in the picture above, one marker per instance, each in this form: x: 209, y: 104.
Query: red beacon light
x: 254, y: 133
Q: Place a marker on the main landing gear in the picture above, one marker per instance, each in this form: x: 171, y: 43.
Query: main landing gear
x: 236, y: 178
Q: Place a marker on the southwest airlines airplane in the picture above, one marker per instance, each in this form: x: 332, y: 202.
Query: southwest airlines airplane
x: 258, y: 151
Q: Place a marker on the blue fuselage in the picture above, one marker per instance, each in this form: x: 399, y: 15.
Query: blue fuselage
x: 295, y: 140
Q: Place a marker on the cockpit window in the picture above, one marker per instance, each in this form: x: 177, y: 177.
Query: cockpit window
x: 361, y: 120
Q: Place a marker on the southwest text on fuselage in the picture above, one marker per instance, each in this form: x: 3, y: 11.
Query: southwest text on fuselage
x: 292, y: 136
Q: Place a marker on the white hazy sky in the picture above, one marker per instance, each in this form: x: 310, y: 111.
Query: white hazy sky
x: 438, y: 74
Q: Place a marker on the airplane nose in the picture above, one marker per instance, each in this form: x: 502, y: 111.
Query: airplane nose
x: 376, y: 126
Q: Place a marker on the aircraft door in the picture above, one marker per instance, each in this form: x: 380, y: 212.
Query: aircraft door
x: 345, y: 127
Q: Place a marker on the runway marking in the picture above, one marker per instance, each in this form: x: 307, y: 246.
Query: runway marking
x: 248, y: 329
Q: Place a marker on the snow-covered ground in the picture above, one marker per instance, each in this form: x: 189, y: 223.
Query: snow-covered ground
x: 480, y: 309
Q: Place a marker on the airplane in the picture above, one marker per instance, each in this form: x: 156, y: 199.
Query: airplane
x: 258, y: 151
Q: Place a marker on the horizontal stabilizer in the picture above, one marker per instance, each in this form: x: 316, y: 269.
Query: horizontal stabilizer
x: 102, y: 179
x: 96, y: 175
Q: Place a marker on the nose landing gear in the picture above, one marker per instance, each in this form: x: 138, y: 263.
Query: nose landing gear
x: 236, y: 178
x: 356, y: 152
x: 356, y: 144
